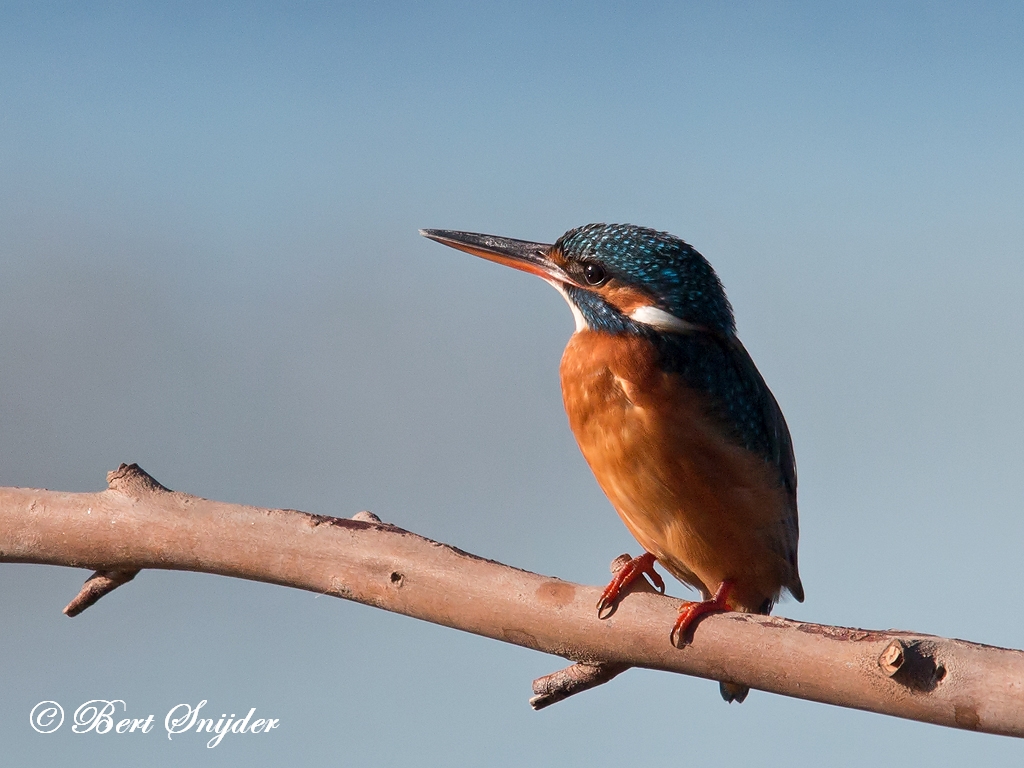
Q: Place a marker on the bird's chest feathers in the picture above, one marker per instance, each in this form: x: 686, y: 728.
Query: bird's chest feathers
x: 621, y: 406
x: 684, y: 489
x: 641, y: 430
x: 606, y: 379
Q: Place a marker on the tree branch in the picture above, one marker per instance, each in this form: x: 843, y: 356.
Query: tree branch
x: 96, y: 586
x: 137, y: 523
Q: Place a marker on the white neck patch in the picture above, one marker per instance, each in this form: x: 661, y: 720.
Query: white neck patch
x: 662, y: 320
x: 646, y: 315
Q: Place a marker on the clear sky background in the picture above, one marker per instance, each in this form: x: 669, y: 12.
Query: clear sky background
x: 209, y: 265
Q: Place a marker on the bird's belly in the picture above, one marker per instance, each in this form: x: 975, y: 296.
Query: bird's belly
x: 705, y: 507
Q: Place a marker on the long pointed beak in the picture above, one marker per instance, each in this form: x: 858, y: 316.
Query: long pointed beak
x: 519, y: 254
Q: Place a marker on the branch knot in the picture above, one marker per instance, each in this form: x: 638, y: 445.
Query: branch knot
x: 132, y: 480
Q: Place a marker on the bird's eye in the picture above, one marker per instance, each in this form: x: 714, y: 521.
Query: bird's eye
x: 594, y: 274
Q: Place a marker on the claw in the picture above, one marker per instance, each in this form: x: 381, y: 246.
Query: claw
x: 690, y: 612
x: 656, y: 580
x: 634, y: 569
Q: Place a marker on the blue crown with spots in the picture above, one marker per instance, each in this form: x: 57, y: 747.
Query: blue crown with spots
x: 671, y: 271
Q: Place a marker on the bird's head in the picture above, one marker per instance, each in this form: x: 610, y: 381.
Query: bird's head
x: 616, y: 277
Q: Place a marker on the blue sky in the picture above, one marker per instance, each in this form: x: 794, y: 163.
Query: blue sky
x: 209, y: 264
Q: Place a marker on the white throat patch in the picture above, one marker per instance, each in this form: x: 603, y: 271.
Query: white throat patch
x: 581, y: 321
x: 662, y: 320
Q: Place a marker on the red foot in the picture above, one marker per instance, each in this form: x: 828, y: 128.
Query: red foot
x: 690, y: 612
x: 626, y: 575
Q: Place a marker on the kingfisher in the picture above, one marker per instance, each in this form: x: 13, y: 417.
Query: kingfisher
x: 678, y: 426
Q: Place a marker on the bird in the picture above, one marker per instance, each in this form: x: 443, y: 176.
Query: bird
x: 676, y: 422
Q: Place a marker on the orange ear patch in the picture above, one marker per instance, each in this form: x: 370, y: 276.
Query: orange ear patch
x: 624, y: 298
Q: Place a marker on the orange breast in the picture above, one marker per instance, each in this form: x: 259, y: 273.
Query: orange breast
x: 705, y: 507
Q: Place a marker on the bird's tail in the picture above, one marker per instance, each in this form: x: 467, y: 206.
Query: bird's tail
x: 733, y: 692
